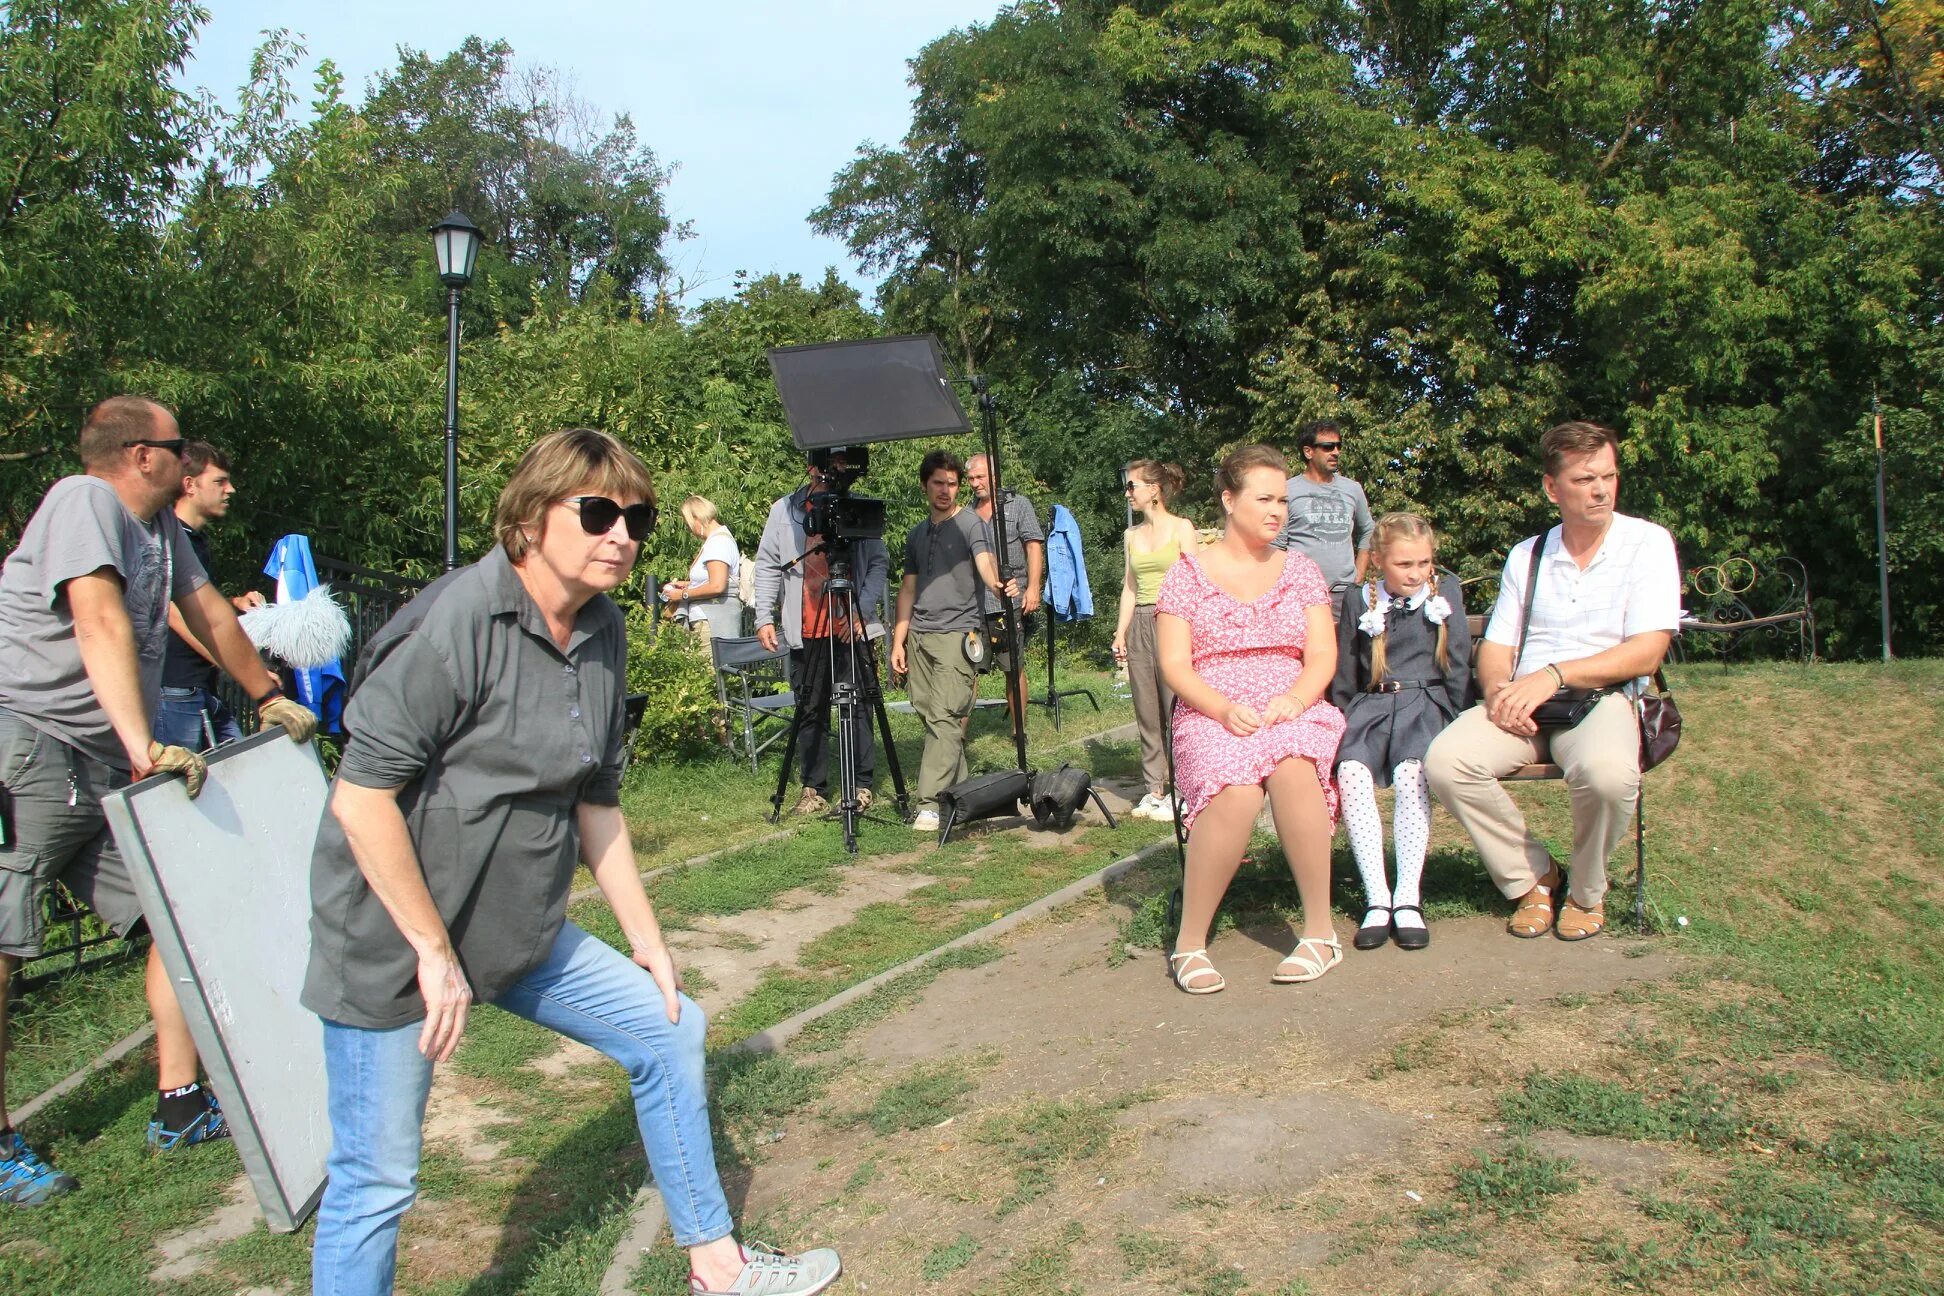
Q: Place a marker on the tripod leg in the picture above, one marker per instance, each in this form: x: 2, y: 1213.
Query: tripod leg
x: 843, y: 687
x: 1052, y: 689
x: 789, y: 751
x: 1105, y: 813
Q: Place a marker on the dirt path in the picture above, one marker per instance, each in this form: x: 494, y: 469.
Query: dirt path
x: 1212, y: 1119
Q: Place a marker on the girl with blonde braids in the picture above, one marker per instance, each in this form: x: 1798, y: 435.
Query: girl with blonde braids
x: 1403, y: 673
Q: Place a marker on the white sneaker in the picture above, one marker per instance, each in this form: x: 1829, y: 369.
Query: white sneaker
x: 1164, y: 808
x: 925, y: 821
x: 768, y: 1272
x: 1147, y: 807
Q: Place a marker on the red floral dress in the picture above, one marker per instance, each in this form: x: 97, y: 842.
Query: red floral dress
x: 1249, y: 653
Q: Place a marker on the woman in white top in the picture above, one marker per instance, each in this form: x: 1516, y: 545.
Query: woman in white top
x: 707, y: 600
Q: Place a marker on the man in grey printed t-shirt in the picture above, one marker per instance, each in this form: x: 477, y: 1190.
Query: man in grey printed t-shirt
x: 946, y: 560
x: 84, y: 603
x: 1329, y: 518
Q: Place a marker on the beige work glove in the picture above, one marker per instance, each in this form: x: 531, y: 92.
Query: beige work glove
x: 178, y: 760
x: 298, y: 720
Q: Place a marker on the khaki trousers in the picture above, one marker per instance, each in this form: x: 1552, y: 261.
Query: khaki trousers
x: 942, y: 686
x: 1153, y: 699
x: 1601, y: 760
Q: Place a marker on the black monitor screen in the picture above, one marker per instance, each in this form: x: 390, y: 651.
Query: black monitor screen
x: 877, y: 389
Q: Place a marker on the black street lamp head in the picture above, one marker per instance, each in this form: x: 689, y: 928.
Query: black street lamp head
x: 455, y: 242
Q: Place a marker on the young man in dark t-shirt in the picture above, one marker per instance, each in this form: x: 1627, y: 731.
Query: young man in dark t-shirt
x: 946, y: 560
x: 191, y: 714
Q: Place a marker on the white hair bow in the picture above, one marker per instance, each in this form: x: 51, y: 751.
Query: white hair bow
x: 1377, y: 606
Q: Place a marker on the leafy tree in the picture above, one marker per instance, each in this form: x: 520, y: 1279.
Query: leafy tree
x: 564, y: 202
x: 93, y: 131
x: 1450, y: 223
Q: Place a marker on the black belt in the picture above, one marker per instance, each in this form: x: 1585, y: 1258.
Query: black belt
x: 1398, y: 686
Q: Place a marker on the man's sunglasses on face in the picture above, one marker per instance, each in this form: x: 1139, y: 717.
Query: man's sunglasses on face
x: 174, y: 445
x: 1327, y: 447
x: 598, y: 514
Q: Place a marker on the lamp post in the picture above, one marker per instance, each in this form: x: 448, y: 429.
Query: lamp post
x: 455, y: 242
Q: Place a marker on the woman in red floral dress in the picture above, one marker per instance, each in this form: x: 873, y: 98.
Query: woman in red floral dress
x: 1248, y: 646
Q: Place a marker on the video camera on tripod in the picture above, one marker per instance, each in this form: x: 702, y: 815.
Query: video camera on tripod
x: 839, y: 397
x: 834, y: 514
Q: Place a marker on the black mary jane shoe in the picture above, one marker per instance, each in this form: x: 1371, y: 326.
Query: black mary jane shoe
x: 1371, y: 935
x: 1410, y: 937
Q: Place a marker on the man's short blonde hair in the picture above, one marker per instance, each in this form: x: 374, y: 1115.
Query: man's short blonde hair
x: 111, y: 425
x: 578, y: 461
x: 697, y: 511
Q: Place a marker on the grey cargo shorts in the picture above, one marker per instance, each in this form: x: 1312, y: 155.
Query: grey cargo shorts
x: 59, y: 833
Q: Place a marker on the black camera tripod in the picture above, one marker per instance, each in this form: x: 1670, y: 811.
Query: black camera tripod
x: 852, y: 689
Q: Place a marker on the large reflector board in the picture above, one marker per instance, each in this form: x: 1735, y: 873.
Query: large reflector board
x: 225, y: 884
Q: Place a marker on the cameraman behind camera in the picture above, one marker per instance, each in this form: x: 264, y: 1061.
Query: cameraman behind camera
x: 791, y: 568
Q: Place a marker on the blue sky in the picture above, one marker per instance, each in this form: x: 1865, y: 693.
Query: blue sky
x: 758, y: 103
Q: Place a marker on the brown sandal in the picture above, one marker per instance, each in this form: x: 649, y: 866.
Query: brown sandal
x: 1577, y: 921
x: 1534, y: 916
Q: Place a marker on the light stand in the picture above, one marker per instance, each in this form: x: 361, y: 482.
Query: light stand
x: 1054, y: 693
x: 1054, y: 797
x: 455, y: 243
x: 989, y: 427
x: 1883, y: 543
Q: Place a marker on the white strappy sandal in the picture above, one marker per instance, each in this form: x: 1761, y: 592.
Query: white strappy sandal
x: 1307, y: 964
x: 1185, y: 977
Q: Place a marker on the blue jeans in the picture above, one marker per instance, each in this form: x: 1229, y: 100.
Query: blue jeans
x: 180, y: 721
x: 378, y: 1082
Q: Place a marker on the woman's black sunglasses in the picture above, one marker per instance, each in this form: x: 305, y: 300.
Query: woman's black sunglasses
x: 598, y: 512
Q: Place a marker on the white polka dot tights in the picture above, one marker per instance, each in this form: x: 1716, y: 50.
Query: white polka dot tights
x: 1410, y: 824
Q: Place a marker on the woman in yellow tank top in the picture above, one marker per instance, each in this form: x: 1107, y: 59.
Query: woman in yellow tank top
x: 1151, y: 547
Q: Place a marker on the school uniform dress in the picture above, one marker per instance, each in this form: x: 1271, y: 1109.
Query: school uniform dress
x: 1384, y: 729
x: 1249, y: 653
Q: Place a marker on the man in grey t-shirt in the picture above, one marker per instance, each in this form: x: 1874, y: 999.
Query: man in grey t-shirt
x: 1329, y: 518
x: 84, y: 605
x: 946, y: 560
x: 1025, y: 560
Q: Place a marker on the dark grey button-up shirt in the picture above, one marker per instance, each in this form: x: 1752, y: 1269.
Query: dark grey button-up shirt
x: 1022, y: 528
x: 493, y: 735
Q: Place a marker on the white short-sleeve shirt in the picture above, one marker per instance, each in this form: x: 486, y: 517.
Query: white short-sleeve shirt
x: 1633, y: 585
x: 720, y: 546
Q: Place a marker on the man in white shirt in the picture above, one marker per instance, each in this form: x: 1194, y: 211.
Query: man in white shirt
x: 1606, y: 607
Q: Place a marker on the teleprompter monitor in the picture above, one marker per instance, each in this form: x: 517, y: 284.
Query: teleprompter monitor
x: 224, y: 881
x: 873, y: 389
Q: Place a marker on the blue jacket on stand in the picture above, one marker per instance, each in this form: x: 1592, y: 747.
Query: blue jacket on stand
x: 1067, y: 593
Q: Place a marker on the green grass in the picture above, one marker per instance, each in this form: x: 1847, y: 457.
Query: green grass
x: 926, y: 1096
x: 1516, y: 1184
x: 67, y: 1022
x: 835, y: 1027
x: 1046, y: 1139
x: 980, y: 878
x: 950, y: 1258
x: 1788, y: 1074
x: 498, y: 1045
